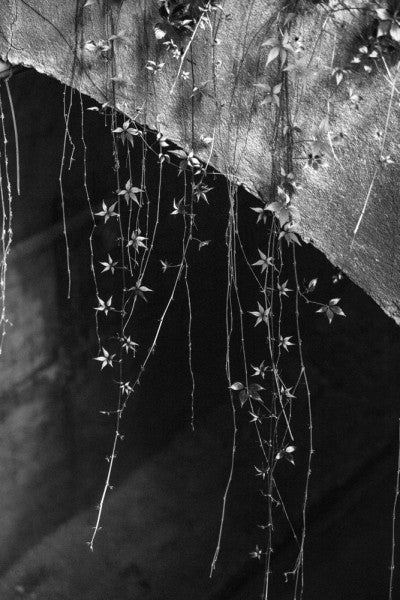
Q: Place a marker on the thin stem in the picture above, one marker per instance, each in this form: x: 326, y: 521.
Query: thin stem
x: 14, y: 120
x: 87, y: 195
x: 299, y: 569
x: 60, y: 179
x: 188, y: 46
x: 7, y: 232
x: 228, y: 329
x: 396, y: 498
x: 382, y: 145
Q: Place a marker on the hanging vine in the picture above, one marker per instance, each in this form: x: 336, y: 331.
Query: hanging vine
x: 267, y: 386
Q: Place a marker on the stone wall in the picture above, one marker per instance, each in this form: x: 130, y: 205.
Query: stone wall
x: 53, y: 39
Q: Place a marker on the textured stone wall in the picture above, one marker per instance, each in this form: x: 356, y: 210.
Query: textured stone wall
x: 52, y: 38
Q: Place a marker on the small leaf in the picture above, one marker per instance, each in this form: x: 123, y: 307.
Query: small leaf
x: 237, y: 386
x: 159, y: 32
x: 254, y: 388
x: 273, y: 54
x: 395, y: 32
x: 383, y: 14
x: 383, y: 28
x: 178, y: 153
x: 311, y: 286
x: 337, y: 310
x: 289, y: 236
x: 90, y: 46
x: 331, y: 309
x: 268, y: 42
x: 243, y: 397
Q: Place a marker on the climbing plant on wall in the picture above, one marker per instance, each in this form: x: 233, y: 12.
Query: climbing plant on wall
x: 285, y: 60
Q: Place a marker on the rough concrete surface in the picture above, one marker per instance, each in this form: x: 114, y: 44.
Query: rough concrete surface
x: 51, y: 38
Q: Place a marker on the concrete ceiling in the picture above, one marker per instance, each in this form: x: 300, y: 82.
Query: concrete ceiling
x: 228, y: 59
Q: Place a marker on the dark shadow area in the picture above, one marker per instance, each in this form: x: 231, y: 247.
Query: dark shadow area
x: 169, y: 481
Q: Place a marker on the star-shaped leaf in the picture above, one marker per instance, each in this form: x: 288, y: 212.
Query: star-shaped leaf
x: 285, y: 342
x: 261, y: 314
x: 283, y: 289
x: 106, y: 359
x: 137, y: 241
x: 128, y: 344
x: 105, y: 305
x: 286, y: 453
x: 130, y: 192
x: 290, y: 237
x: 139, y: 290
x: 126, y: 132
x: 261, y: 212
x: 126, y: 387
x: 107, y: 213
x: 257, y: 553
x: 331, y: 309
x: 262, y: 472
x: 109, y: 265
x: 179, y: 207
x: 260, y: 370
x: 264, y: 261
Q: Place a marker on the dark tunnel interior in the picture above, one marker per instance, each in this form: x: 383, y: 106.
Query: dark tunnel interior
x: 161, y: 529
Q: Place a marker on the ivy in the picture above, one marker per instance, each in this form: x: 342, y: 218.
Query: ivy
x: 259, y: 385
